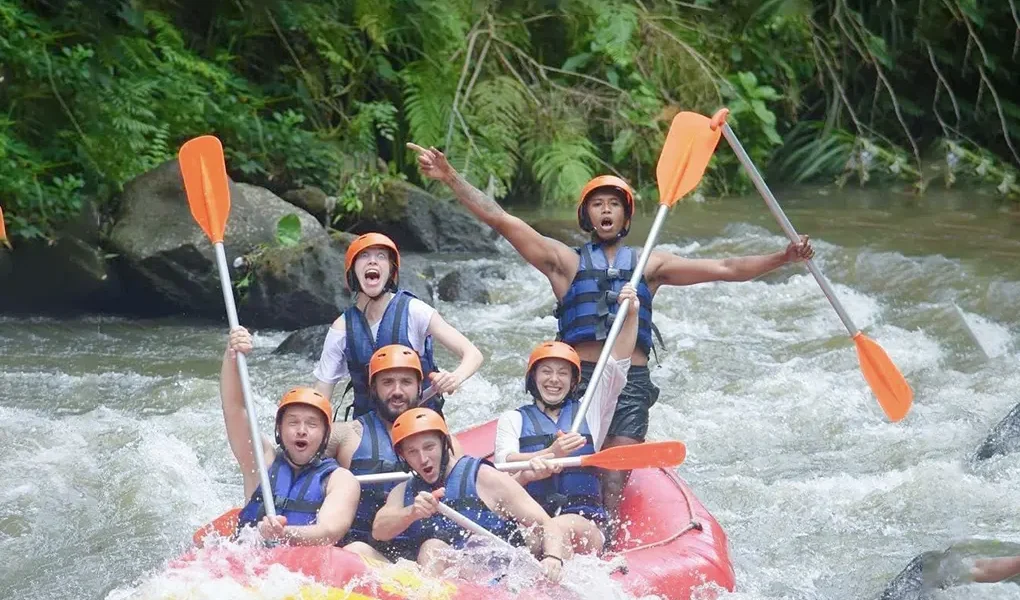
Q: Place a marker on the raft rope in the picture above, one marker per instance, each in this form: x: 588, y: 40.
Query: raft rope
x: 692, y: 526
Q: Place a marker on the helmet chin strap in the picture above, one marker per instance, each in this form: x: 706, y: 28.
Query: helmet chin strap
x: 548, y: 405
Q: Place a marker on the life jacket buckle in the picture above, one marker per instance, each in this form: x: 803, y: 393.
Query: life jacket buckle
x: 612, y: 295
x: 557, y: 501
x: 612, y: 273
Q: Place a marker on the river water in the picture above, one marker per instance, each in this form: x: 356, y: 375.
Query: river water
x: 114, y: 449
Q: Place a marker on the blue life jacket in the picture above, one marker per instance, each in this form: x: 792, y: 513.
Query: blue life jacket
x: 296, y: 495
x: 461, y: 496
x: 574, y: 490
x: 373, y: 455
x: 587, y: 310
x: 392, y: 330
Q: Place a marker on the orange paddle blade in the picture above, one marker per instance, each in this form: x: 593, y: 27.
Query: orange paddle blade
x: 689, y: 146
x: 892, y: 390
x: 225, y: 525
x: 649, y: 455
x: 205, y: 182
x: 3, y: 230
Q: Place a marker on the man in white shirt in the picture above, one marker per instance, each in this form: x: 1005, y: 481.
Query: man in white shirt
x: 535, y: 432
x: 383, y: 314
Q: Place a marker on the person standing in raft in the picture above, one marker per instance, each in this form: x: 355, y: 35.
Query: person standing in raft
x: 587, y: 280
x: 383, y: 314
x: 315, y: 499
x: 534, y: 432
x: 364, y: 445
x: 470, y: 486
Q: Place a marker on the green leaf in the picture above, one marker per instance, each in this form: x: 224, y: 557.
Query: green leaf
x: 763, y: 113
x: 748, y: 81
x: 288, y: 230
x: 576, y: 62
x: 767, y: 92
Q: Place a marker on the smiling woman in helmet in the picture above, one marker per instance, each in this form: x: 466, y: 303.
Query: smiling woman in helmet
x: 470, y: 486
x: 535, y: 431
x: 315, y: 499
x: 384, y: 314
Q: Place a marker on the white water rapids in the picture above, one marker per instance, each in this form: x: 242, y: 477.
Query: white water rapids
x: 114, y: 449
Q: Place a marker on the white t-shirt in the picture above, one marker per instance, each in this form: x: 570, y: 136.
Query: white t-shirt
x: 598, y: 418
x: 332, y: 365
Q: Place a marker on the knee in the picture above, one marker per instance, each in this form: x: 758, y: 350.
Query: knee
x: 430, y: 551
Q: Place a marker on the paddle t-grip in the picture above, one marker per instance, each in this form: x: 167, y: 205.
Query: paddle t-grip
x: 784, y: 223
x: 242, y: 370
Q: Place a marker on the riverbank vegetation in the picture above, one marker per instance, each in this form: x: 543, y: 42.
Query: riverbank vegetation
x: 529, y: 97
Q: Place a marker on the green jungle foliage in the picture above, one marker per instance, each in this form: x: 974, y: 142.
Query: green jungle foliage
x: 529, y: 97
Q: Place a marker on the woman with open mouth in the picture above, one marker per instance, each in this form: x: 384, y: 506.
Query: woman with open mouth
x: 383, y: 314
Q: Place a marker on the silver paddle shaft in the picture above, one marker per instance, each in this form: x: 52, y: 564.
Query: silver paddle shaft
x: 242, y: 369
x: 786, y: 226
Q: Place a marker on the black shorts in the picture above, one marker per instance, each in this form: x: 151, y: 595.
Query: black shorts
x: 631, y: 416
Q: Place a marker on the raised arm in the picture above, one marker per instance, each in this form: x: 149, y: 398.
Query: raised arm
x: 235, y: 416
x: 553, y: 258
x: 668, y: 269
x: 470, y: 356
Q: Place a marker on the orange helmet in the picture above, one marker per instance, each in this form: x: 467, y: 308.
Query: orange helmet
x: 363, y: 242
x: 394, y: 356
x: 550, y: 350
x: 308, y: 397
x: 601, y: 181
x: 417, y: 420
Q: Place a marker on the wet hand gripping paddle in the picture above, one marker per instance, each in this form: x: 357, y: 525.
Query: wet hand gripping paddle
x: 887, y: 383
x: 647, y: 455
x: 682, y: 162
x: 205, y: 182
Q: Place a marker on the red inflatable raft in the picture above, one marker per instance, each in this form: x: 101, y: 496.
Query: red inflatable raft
x: 670, y: 546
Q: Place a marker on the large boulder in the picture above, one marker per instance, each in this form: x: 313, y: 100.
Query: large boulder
x: 296, y: 286
x: 306, y: 342
x: 458, y: 286
x: 68, y: 273
x: 418, y: 221
x: 1004, y: 438
x: 165, y: 250
x: 417, y: 276
x: 313, y: 200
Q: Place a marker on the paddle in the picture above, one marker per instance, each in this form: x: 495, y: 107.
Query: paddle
x: 205, y: 182
x: 470, y: 525
x: 647, y: 455
x: 3, y: 231
x: 688, y: 148
x: 887, y: 383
